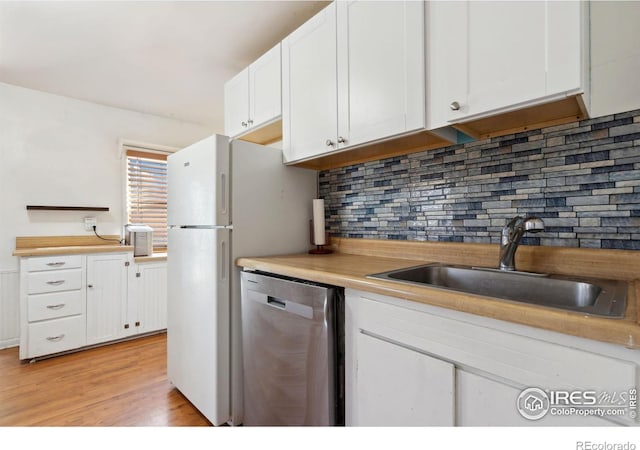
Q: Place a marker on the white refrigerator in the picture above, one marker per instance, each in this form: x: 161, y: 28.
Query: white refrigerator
x: 225, y: 200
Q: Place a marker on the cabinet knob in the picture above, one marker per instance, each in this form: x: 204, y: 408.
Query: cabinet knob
x: 250, y: 122
x: 455, y: 106
x: 329, y: 143
x: 244, y: 124
x: 341, y: 140
x: 89, y: 285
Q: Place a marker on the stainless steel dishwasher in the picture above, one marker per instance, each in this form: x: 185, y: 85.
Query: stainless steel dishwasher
x: 293, y: 351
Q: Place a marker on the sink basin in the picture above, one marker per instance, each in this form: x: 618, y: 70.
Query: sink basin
x: 589, y: 296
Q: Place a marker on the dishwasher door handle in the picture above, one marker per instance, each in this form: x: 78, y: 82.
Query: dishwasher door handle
x: 280, y: 304
x: 274, y: 301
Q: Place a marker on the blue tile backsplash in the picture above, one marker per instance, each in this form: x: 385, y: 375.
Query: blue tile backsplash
x: 582, y: 178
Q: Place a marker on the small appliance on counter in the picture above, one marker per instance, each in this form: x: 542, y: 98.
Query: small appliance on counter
x: 140, y: 237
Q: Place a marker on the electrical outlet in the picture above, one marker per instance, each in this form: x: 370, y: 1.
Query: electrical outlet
x: 89, y: 223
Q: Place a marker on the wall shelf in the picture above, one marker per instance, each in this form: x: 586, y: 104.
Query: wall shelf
x: 66, y: 208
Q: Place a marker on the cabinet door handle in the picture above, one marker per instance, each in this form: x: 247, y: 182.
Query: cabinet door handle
x: 55, y: 338
x: 55, y: 283
x: 58, y: 306
x: 250, y: 122
x: 329, y: 143
x: 56, y: 264
x: 455, y: 106
x: 89, y: 285
x: 244, y: 124
x: 341, y: 140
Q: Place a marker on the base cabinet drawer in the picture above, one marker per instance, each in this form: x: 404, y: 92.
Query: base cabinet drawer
x: 54, y: 281
x: 56, y: 335
x: 54, y: 305
x: 41, y: 263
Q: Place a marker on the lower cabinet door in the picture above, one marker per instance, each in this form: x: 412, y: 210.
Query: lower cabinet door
x: 107, y: 298
x: 398, y: 386
x: 58, y: 335
x: 485, y: 402
x: 151, y: 299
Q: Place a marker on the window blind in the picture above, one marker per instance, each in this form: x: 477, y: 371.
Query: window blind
x: 147, y: 193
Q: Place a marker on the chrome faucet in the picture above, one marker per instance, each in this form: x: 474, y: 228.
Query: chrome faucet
x: 512, y: 234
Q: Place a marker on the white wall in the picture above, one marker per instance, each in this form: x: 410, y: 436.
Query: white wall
x: 615, y: 57
x: 60, y: 151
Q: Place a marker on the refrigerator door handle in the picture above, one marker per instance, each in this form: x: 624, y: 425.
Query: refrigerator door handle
x: 224, y: 256
x: 223, y: 193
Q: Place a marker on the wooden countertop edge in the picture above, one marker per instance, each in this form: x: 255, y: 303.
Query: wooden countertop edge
x: 160, y: 257
x: 625, y: 332
x: 72, y: 249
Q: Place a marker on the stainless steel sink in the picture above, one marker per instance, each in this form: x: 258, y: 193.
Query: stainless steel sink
x: 588, y: 296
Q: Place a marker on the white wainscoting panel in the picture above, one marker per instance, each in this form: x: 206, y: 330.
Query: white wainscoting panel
x: 9, y: 308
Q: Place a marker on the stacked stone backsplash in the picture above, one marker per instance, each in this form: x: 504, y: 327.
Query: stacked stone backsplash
x: 582, y: 179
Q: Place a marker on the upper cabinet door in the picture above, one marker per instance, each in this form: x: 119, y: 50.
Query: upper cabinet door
x: 381, y: 68
x: 489, y: 57
x: 506, y: 55
x: 236, y: 104
x: 253, y: 97
x: 309, y: 87
x: 265, y: 91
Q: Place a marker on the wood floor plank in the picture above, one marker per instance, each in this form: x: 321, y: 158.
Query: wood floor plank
x: 122, y: 384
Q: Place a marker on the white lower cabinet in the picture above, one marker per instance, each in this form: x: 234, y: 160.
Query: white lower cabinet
x: 413, y: 364
x: 385, y: 402
x: 107, y: 297
x: 485, y: 402
x: 72, y: 301
x: 147, y: 309
x: 52, y: 304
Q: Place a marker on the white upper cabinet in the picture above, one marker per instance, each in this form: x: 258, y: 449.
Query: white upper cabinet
x: 309, y: 88
x: 353, y: 74
x: 486, y: 58
x: 265, y: 88
x: 381, y: 69
x: 253, y: 97
x: 236, y: 104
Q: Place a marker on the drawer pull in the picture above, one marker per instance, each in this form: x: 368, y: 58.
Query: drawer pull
x: 55, y: 283
x: 56, y: 264
x: 58, y: 306
x: 55, y: 338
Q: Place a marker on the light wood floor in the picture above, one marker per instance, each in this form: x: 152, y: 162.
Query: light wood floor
x: 123, y: 384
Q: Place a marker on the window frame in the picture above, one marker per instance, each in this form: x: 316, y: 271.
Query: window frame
x: 155, y: 152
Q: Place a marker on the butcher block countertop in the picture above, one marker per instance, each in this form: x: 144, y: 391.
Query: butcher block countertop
x: 354, y: 259
x: 65, y: 245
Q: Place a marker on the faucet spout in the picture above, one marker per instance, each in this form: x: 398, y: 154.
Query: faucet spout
x: 512, y: 234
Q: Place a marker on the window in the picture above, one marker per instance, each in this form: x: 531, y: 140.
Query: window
x: 147, y: 193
